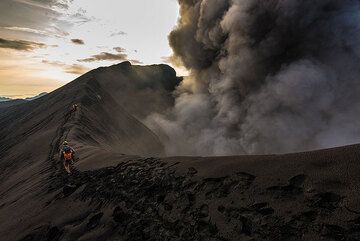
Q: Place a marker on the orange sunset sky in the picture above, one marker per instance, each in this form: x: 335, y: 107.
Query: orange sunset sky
x: 44, y: 44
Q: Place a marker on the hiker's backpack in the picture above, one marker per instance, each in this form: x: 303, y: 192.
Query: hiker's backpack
x: 67, y: 155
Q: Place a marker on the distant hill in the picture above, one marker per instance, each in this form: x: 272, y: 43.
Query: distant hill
x: 4, y: 99
x: 7, y: 102
x: 37, y: 96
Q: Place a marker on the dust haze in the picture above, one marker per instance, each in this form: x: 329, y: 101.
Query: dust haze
x: 265, y: 77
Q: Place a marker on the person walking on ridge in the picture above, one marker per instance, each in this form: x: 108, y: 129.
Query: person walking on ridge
x: 74, y: 107
x: 67, y: 155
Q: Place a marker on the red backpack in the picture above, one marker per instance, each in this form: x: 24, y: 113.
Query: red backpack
x: 67, y: 155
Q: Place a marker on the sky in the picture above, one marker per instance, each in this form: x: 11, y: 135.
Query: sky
x: 44, y: 44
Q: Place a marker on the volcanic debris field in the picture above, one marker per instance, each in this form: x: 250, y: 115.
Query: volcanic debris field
x: 146, y: 199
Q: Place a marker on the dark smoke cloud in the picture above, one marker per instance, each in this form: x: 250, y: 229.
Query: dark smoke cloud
x: 266, y: 77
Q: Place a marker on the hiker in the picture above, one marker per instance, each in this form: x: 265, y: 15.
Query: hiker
x: 74, y: 107
x: 67, y: 155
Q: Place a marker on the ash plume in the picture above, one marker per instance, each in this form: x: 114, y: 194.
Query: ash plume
x: 267, y: 76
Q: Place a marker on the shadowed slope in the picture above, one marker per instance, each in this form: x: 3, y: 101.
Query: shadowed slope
x: 9, y: 103
x: 32, y: 132
x: 102, y: 122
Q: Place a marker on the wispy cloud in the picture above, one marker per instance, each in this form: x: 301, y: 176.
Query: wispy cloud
x: 80, y: 17
x: 54, y: 32
x: 35, y: 4
x: 21, y: 45
x: 135, y: 61
x: 28, y: 30
x: 105, y: 56
x: 75, y: 69
x: 47, y: 4
x: 77, y: 41
x: 118, y: 33
x: 119, y: 56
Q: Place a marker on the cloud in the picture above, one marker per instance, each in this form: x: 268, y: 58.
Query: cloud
x: 105, y: 56
x: 75, y: 69
x: 47, y: 4
x: 78, y: 41
x: 119, y: 49
x: 28, y: 30
x: 80, y: 17
x: 49, y: 32
x: 119, y: 56
x: 20, y: 45
x: 135, y: 61
x: 118, y: 33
